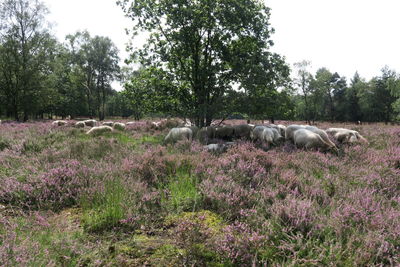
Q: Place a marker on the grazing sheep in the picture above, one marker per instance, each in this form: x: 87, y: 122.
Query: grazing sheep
x: 289, y: 133
x: 345, y: 135
x: 99, y: 130
x: 176, y: 134
x: 59, y: 123
x: 281, y: 128
x: 108, y: 123
x: 277, y: 136
x: 187, y: 123
x: 80, y: 124
x: 205, y: 134
x: 119, y: 126
x: 242, y: 131
x: 224, y: 132
x: 219, y: 148
x: 130, y: 123
x: 323, y: 135
x: 263, y: 134
x: 194, y: 129
x: 90, y: 123
x: 309, y: 140
x: 155, y: 124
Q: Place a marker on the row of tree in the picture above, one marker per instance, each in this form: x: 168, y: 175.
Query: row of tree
x: 203, y: 60
x: 39, y: 75
x: 326, y: 96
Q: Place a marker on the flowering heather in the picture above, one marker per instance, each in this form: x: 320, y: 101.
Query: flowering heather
x: 114, y: 196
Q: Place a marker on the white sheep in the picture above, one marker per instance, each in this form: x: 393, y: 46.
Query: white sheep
x: 282, y: 129
x: 323, y: 135
x: 90, y: 123
x: 289, y: 132
x: 176, y: 134
x: 219, y: 148
x: 263, y: 134
x: 277, y: 136
x: 346, y: 136
x: 309, y: 140
x: 156, y: 124
x: 130, y: 123
x: 80, y: 124
x: 99, y: 130
x: 59, y: 123
x: 108, y: 123
x: 119, y: 126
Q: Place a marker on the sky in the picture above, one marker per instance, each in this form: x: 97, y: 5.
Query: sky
x: 344, y: 36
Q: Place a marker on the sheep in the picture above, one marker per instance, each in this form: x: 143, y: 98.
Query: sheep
x: 309, y: 140
x: 322, y: 134
x: 130, y: 123
x: 242, y: 131
x: 224, y: 132
x: 80, y: 124
x: 108, y: 123
x: 277, y: 136
x: 289, y: 132
x: 205, y: 134
x: 90, y: 123
x: 276, y: 131
x: 218, y: 148
x: 281, y: 129
x: 345, y: 135
x: 155, y: 125
x: 176, y: 134
x: 187, y: 123
x: 119, y: 126
x: 59, y: 123
x: 99, y: 130
x: 194, y: 129
x: 263, y: 134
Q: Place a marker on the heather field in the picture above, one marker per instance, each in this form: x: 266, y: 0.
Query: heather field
x: 125, y: 199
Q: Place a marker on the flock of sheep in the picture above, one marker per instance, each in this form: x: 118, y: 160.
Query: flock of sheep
x: 108, y: 126
x: 303, y: 136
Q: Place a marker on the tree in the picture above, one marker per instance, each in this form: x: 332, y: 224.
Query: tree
x: 209, y: 48
x: 302, y: 82
x: 353, y: 109
x: 326, y: 85
x: 26, y: 46
x: 96, y: 62
x: 384, y: 99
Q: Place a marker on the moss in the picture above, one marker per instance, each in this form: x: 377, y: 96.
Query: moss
x: 166, y: 255
x: 206, y: 217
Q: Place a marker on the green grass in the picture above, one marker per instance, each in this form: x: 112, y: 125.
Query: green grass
x: 183, y: 192
x: 106, y: 209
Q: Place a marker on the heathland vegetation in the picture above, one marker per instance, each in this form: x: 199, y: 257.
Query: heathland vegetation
x: 124, y: 199
x: 233, y: 195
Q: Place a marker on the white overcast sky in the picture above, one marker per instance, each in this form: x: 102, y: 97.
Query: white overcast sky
x: 344, y: 36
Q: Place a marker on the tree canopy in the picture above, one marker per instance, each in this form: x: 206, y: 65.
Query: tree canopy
x: 209, y: 48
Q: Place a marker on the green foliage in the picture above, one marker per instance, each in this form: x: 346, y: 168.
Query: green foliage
x: 327, y: 97
x: 182, y: 194
x: 25, y: 52
x: 95, y: 61
x: 206, y: 47
x: 4, y: 143
x: 106, y: 209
